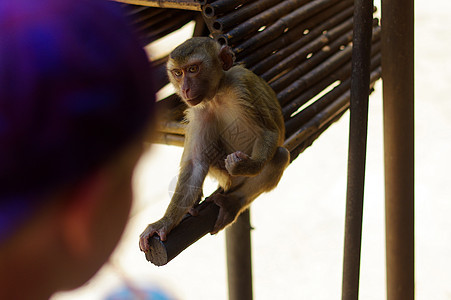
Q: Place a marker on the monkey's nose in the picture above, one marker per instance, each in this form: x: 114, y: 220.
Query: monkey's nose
x: 185, y: 93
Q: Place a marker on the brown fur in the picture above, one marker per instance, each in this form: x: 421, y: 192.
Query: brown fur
x: 234, y: 133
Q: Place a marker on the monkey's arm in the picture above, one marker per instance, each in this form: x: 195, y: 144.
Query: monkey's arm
x: 188, y: 190
x: 241, y: 164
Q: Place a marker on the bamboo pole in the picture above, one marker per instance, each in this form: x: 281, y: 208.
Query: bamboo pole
x: 221, y: 7
x: 171, y: 102
x: 204, y: 2
x: 308, y: 64
x: 160, y: 78
x: 398, y: 65
x: 324, y: 117
x: 309, y: 112
x: 171, y: 108
x: 131, y: 10
x: 200, y: 29
x: 263, y: 59
x: 291, y: 107
x: 308, y: 141
x: 183, y: 235
x: 292, y: 124
x: 313, y: 75
x: 239, y: 258
x: 153, y: 33
x: 358, y: 127
x: 173, y: 22
x: 168, y: 139
x: 145, y: 14
x: 341, y: 74
x: 320, y: 120
x: 253, y: 24
x: 173, y: 127
x: 284, y: 23
x: 158, y: 18
x: 226, y: 22
x: 179, y: 4
x: 343, y: 31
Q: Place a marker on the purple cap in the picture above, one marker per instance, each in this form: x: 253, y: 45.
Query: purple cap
x: 75, y: 88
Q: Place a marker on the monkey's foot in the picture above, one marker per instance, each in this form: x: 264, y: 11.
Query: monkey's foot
x: 229, y: 208
x: 194, y: 211
x: 161, y: 228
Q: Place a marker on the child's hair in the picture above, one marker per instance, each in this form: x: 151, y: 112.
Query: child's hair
x: 75, y: 88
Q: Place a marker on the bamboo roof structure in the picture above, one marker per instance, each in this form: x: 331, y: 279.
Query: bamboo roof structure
x: 302, y: 48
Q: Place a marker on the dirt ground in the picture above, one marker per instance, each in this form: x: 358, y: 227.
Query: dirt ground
x: 298, y: 236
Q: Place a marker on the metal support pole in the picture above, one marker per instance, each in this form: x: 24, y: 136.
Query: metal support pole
x: 360, y: 80
x: 398, y: 92
x: 239, y: 259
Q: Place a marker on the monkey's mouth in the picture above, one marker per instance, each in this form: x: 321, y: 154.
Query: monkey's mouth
x: 194, y: 101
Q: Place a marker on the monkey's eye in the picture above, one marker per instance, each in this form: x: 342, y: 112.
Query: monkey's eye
x: 177, y: 73
x: 193, y: 69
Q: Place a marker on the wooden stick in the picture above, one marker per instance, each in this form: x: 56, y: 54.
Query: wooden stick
x: 200, y: 29
x: 169, y: 103
x: 221, y: 7
x: 264, y: 18
x: 145, y: 14
x: 203, y: 2
x: 309, y: 140
x: 289, y: 108
x: 341, y: 74
x: 173, y: 127
x: 309, y: 112
x: 179, y: 4
x: 314, y: 75
x: 324, y: 117
x: 261, y: 60
x: 158, y: 18
x: 131, y: 10
x: 167, y: 139
x: 284, y: 23
x: 173, y: 19
x: 226, y: 22
x: 157, y: 32
x: 171, y: 109
x: 183, y: 235
x: 160, y: 78
x: 343, y: 33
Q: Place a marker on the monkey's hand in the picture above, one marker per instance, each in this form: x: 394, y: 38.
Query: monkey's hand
x: 161, y: 228
x: 240, y: 164
x: 229, y: 209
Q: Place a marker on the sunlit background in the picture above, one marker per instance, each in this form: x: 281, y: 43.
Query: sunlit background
x: 299, y: 227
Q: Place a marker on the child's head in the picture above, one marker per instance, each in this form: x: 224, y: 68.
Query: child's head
x: 75, y: 97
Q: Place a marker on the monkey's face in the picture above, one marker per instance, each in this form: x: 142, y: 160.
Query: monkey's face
x: 196, y: 68
x: 195, y: 80
x: 189, y: 81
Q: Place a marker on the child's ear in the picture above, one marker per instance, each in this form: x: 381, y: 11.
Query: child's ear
x: 79, y: 213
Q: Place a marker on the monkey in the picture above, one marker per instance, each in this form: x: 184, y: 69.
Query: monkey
x: 235, y: 132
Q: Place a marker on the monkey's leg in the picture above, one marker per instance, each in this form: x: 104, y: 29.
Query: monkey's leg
x: 245, y: 189
x: 239, y: 163
x: 266, y: 180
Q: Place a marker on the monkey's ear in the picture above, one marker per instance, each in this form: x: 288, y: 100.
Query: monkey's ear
x: 227, y: 57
